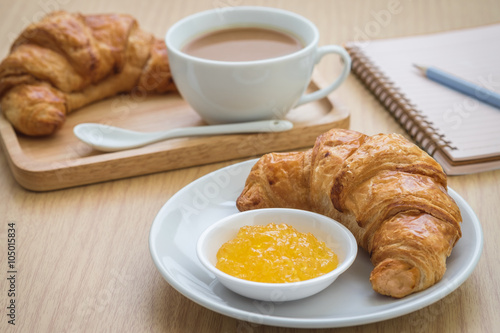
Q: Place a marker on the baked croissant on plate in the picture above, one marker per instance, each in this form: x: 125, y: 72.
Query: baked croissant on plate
x: 387, y: 191
x: 69, y: 60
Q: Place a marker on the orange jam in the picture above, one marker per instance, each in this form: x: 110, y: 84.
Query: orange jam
x: 275, y: 253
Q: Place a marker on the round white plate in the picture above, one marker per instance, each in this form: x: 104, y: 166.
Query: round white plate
x: 349, y: 301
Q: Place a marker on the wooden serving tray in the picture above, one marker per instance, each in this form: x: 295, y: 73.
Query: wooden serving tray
x: 61, y: 160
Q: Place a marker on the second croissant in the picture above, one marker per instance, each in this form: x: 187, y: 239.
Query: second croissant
x: 68, y: 60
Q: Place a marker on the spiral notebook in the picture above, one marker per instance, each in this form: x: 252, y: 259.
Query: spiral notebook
x: 460, y: 132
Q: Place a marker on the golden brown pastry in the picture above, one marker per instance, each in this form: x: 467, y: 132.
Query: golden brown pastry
x: 387, y: 191
x: 68, y: 60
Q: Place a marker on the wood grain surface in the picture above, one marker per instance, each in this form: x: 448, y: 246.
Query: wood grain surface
x: 82, y: 256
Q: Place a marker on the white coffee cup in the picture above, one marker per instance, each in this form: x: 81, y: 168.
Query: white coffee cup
x: 230, y: 91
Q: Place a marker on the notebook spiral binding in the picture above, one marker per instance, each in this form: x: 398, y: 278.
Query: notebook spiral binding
x: 418, y: 127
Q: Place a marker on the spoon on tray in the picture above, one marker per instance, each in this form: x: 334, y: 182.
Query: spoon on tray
x: 109, y: 138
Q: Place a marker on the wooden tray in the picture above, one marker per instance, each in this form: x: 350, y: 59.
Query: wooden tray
x: 61, y: 160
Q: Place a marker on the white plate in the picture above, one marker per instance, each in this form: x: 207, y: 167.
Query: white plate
x: 349, y: 301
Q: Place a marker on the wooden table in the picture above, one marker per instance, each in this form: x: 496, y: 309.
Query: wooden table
x: 83, y: 263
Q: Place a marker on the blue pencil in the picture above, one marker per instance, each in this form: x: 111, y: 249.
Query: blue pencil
x: 484, y: 95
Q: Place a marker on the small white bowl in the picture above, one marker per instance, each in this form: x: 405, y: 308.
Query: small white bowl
x: 336, y: 236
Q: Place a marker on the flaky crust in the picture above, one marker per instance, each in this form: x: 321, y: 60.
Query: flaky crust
x: 68, y: 60
x: 387, y: 191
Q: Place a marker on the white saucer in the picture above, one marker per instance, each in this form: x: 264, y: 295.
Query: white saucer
x: 349, y: 301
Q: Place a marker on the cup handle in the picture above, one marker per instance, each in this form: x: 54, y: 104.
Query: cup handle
x: 322, y: 51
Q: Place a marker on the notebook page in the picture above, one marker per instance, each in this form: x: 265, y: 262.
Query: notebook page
x: 472, y: 126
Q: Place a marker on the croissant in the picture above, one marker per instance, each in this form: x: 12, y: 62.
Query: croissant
x: 67, y: 60
x: 388, y: 192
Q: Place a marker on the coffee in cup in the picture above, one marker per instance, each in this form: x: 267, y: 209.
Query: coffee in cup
x: 243, y: 44
x: 247, y: 63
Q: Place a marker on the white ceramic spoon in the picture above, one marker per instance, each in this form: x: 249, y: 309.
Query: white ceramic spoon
x: 109, y: 138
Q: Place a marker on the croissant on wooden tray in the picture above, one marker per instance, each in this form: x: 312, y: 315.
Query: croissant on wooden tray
x: 69, y: 60
x: 387, y: 191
